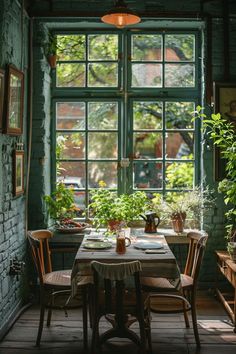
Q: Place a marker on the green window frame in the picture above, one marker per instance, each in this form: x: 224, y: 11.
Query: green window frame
x: 127, y: 95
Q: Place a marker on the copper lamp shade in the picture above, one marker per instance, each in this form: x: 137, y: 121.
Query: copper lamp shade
x: 120, y: 16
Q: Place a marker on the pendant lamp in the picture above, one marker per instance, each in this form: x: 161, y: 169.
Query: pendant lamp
x: 120, y: 15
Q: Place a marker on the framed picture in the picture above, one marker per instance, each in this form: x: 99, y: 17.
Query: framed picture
x: 1, y: 97
x: 18, y: 172
x: 225, y: 104
x: 15, y: 100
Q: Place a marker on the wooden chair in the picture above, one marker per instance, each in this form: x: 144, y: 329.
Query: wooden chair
x: 121, y: 303
x: 53, y: 284
x: 162, y: 288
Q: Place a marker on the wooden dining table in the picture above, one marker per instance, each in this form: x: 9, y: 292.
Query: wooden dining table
x: 159, y: 262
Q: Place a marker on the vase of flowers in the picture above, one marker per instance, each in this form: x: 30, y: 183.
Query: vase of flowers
x: 176, y: 207
x: 178, y: 221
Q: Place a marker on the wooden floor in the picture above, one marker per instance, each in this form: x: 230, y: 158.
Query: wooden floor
x: 169, y: 334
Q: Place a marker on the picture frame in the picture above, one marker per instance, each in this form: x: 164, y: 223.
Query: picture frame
x: 2, y: 87
x: 18, y: 172
x: 15, y: 101
x: 225, y: 104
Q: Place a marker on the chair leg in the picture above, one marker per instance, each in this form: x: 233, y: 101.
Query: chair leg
x: 185, y: 294
x: 148, y: 333
x: 41, y: 320
x: 186, y: 319
x: 95, y: 347
x: 85, y: 317
x: 90, y: 305
x: 50, y: 312
x: 143, y: 333
x: 149, y: 339
x: 194, y: 319
x: 143, y: 340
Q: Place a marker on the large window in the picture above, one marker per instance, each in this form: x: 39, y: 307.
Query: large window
x: 123, y: 112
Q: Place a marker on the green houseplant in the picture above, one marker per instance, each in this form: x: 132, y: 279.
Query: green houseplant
x: 109, y: 209
x: 222, y: 133
x: 61, y: 207
x: 50, y: 50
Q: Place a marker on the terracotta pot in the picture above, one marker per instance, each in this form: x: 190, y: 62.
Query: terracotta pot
x: 178, y: 221
x: 52, y: 60
x: 114, y: 225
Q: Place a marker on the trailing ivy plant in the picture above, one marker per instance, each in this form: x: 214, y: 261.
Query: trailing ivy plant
x: 223, y: 134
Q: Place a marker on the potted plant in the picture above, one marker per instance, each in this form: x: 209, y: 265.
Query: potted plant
x: 50, y: 50
x: 62, y: 209
x: 179, y: 206
x: 222, y: 133
x: 114, y: 211
x: 177, y: 209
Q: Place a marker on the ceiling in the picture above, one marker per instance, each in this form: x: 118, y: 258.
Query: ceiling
x: 148, y: 8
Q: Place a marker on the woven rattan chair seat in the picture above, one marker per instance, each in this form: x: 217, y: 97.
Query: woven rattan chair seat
x: 58, y: 278
x: 160, y: 283
x: 163, y: 283
x: 62, y: 278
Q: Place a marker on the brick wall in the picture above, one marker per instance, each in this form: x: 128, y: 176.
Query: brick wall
x: 40, y: 156
x: 12, y: 209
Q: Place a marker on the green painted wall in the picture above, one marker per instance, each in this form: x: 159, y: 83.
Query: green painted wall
x: 13, y: 50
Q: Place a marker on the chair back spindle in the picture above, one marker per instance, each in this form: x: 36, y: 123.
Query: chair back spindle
x: 196, y: 250
x: 39, y: 242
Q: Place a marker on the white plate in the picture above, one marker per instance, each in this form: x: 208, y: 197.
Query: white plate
x: 147, y: 245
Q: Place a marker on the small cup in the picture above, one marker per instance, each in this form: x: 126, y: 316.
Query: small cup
x: 122, y: 242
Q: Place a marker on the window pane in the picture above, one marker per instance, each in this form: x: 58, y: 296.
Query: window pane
x: 79, y: 199
x: 102, y: 171
x: 179, y: 47
x: 146, y: 47
x: 103, y: 47
x: 179, y: 75
x: 146, y: 75
x: 70, y: 115
x: 102, y: 145
x: 179, y: 145
x: 147, y: 115
x: 102, y: 115
x: 72, y: 145
x: 71, y: 47
x: 148, y: 145
x: 179, y: 115
x: 72, y: 174
x: 147, y: 175
x: 179, y: 175
x: 103, y: 75
x: 71, y: 75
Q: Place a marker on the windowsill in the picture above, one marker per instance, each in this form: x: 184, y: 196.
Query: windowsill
x: 74, y: 240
